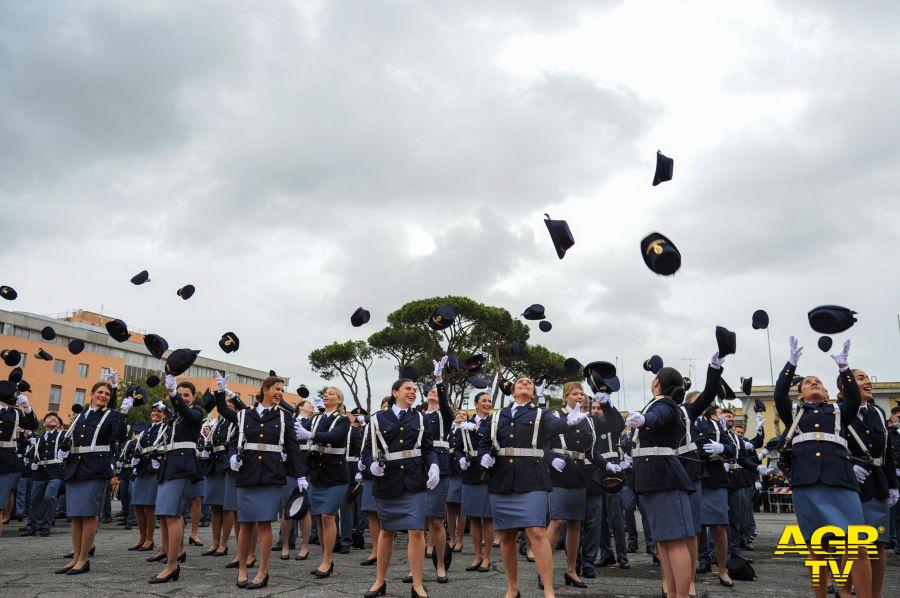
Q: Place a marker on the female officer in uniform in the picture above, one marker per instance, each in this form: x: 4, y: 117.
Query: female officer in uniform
x: 439, y: 419
x: 660, y: 477
x: 519, y: 481
x: 566, y: 454
x: 180, y: 467
x: 221, y: 521
x: 15, y: 414
x: 89, y: 467
x: 876, y: 474
x: 147, y: 451
x: 823, y: 481
x: 367, y: 503
x: 476, y: 504
x: 456, y: 521
x: 265, y: 453
x: 398, y: 453
x: 328, y: 474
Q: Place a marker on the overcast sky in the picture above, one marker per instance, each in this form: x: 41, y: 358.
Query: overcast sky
x: 296, y: 161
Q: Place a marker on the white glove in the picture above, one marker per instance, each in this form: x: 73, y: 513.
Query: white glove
x: 861, y: 473
x: 470, y: 426
x: 463, y: 463
x: 358, y: 477
x: 375, y: 469
x: 576, y: 416
x: 760, y: 420
x: 714, y: 448
x: 127, y: 404
x: 763, y: 454
x: 841, y: 358
x: 439, y: 365
x: 613, y: 467
x: 61, y: 454
x: 634, y: 420
x: 796, y: 352
x: 763, y: 470
x: 893, y: 496
x: 134, y: 462
x: 558, y: 464
x: 487, y: 461
x: 897, y: 472
x: 626, y: 462
x: 542, y: 402
x: 171, y: 384
x: 154, y: 464
x: 204, y: 454
x: 113, y: 378
x: 301, y: 432
x: 34, y: 467
x: 234, y: 463
x: 434, y: 477
x: 758, y: 485
x: 284, y: 457
x: 221, y: 382
x: 22, y: 403
x: 716, y: 361
x: 749, y: 445
x: 602, y: 398
x: 302, y: 484
x: 539, y: 391
x: 360, y: 465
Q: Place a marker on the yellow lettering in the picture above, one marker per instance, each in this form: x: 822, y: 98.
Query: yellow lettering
x: 840, y: 577
x: 820, y: 540
x: 815, y: 570
x: 791, y: 542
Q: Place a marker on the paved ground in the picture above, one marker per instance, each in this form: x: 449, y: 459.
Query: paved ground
x: 26, y: 566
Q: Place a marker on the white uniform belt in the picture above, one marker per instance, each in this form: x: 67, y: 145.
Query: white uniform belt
x: 178, y: 446
x: 819, y: 436
x: 400, y: 455
x: 8, y: 444
x: 263, y: 448
x: 520, y: 452
x: 653, y: 451
x: 327, y: 450
x: 472, y: 453
x: 80, y: 450
x: 50, y: 462
x: 732, y: 466
x: 610, y: 455
x: 878, y: 462
x: 440, y: 444
x: 691, y: 446
x: 304, y: 447
x: 571, y: 454
x: 352, y: 459
x: 219, y: 448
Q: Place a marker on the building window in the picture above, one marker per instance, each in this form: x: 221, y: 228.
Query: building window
x: 55, y: 395
x: 59, y: 366
x: 104, y: 372
x: 79, y: 396
x: 82, y: 370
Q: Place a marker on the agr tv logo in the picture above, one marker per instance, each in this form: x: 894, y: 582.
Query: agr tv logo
x: 826, y: 546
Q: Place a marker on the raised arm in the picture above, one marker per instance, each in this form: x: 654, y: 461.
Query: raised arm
x: 783, y: 384
x: 852, y: 396
x: 225, y: 411
x: 444, y: 404
x: 708, y: 394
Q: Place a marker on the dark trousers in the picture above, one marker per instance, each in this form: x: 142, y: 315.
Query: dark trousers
x: 630, y: 502
x: 738, y: 505
x: 705, y: 550
x: 613, y: 520
x: 590, y: 532
x: 42, y: 508
x: 23, y: 494
x: 125, y: 493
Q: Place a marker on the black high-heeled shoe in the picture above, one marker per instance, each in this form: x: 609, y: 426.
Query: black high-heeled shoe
x: 84, y: 569
x: 182, y: 558
x: 408, y: 578
x: 575, y: 583
x: 173, y: 576
x: 483, y: 569
x: 256, y: 586
x: 193, y: 542
x: 147, y: 548
x: 727, y: 584
x: 223, y: 553
x: 285, y: 557
x: 90, y: 553
x: 135, y: 547
x: 64, y: 570
x: 301, y: 557
x: 377, y: 591
x: 233, y: 565
x: 414, y: 594
x: 242, y: 583
x: 442, y: 579
x: 473, y: 567
x: 369, y: 562
x: 324, y: 574
x: 155, y: 558
x: 210, y: 552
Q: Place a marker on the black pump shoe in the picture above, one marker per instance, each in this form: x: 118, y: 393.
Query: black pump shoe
x: 407, y: 579
x: 64, y: 570
x: 242, y: 583
x: 173, y: 576
x: 193, y: 542
x: 84, y: 569
x: 414, y: 594
x: 727, y: 584
x: 376, y: 592
x: 575, y: 583
x: 256, y: 586
x: 155, y: 558
x: 324, y: 574
x: 182, y: 558
x: 442, y: 579
x: 369, y: 562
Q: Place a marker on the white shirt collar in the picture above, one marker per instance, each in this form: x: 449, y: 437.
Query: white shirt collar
x: 396, y: 410
x: 477, y: 418
x: 260, y: 408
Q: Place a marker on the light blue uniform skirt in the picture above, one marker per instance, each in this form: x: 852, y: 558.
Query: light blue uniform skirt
x: 230, y: 502
x: 170, y: 497
x: 215, y: 489
x: 401, y: 513
x: 514, y: 511
x: 878, y: 515
x: 368, y: 498
x: 84, y: 498
x: 819, y: 505
x: 714, y: 506
x: 8, y: 481
x: 144, y: 494
x: 567, y: 504
x: 196, y: 489
x: 696, y: 500
x: 669, y: 513
x: 437, y: 499
x: 454, y: 491
x: 258, y: 503
x: 327, y: 500
x: 476, y: 502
